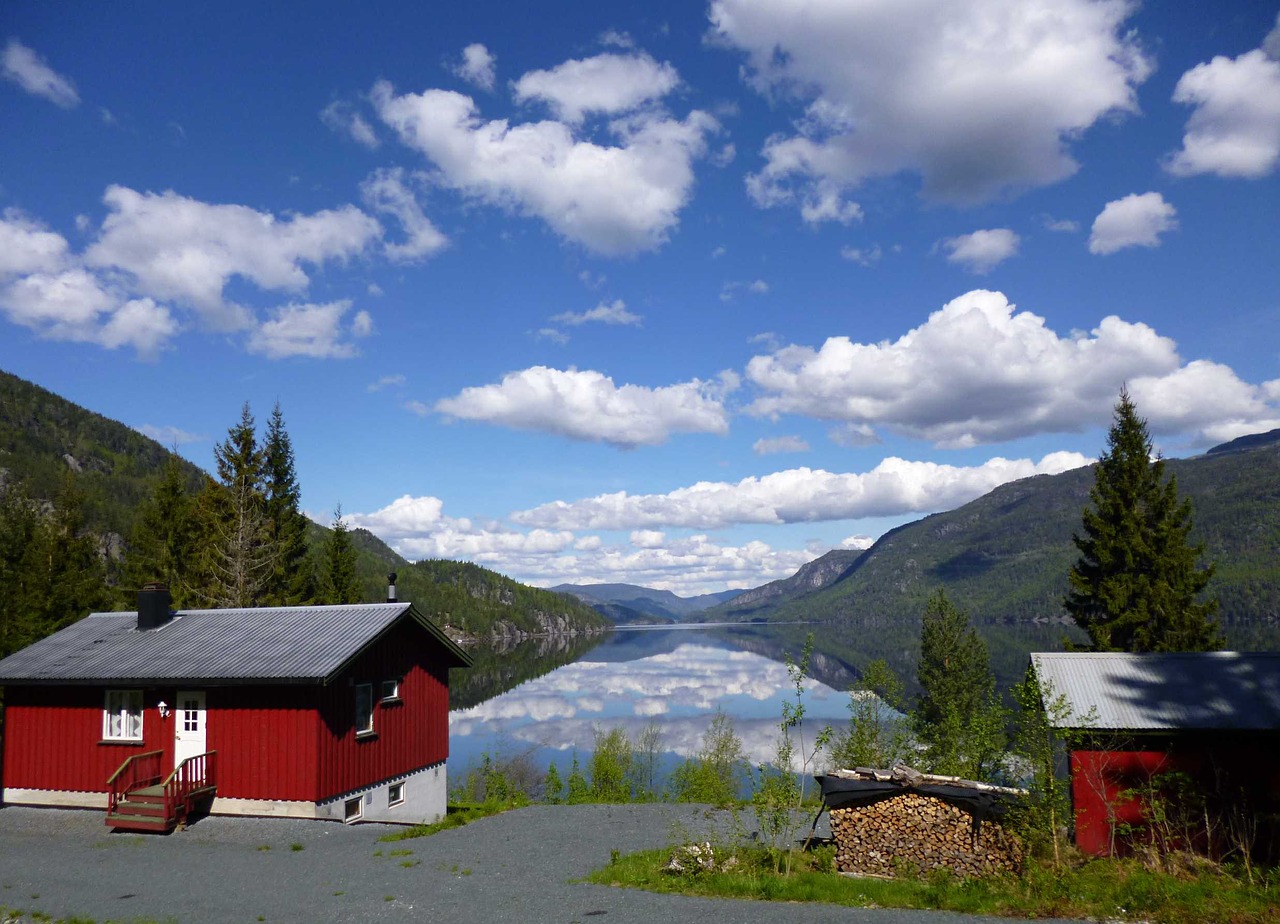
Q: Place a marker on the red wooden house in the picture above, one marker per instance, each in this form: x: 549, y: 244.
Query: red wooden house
x: 335, y: 712
x: 1198, y: 731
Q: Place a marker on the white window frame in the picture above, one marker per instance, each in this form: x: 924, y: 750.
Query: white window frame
x: 390, y: 691
x: 395, y: 794
x: 353, y: 809
x: 364, y: 695
x: 123, y: 710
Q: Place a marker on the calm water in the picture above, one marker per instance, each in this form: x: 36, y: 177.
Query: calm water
x: 543, y: 699
x: 555, y: 697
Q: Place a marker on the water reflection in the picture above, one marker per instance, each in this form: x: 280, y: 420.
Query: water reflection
x: 676, y: 679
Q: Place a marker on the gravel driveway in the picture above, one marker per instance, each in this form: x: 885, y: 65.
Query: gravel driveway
x: 513, y: 867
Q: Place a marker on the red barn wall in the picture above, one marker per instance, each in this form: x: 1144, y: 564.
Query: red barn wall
x: 53, y: 738
x: 408, y: 735
x: 1228, y: 769
x: 267, y: 741
x: 1098, y: 780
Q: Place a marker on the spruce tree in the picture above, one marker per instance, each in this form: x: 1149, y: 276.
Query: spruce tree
x: 163, y: 545
x: 1137, y: 583
x: 959, y: 716
x: 51, y: 571
x: 292, y: 581
x: 238, y: 559
x: 339, y: 582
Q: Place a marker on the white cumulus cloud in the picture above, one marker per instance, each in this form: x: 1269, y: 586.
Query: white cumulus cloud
x: 801, y: 495
x: 29, y: 71
x: 604, y: 84
x: 1234, y: 130
x: 980, y: 371
x: 308, y: 330
x: 26, y: 246
x: 386, y: 191
x: 604, y: 313
x: 478, y: 66
x: 587, y: 405
x: 613, y: 199
x: 778, y: 444
x: 1137, y: 220
x: 981, y: 251
x: 178, y: 248
x: 343, y: 118
x: 43, y: 288
x: 977, y: 97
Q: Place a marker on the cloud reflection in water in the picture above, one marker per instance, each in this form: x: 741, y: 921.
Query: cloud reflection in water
x: 680, y: 690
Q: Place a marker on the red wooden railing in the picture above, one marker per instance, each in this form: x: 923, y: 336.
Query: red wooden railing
x: 193, y: 775
x: 138, y: 771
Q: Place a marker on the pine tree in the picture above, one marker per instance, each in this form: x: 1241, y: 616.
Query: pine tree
x: 237, y: 560
x: 959, y: 716
x: 339, y: 582
x: 163, y: 545
x: 292, y: 580
x: 1137, y: 583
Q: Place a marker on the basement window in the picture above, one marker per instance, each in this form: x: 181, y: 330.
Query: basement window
x: 395, y: 794
x: 364, y: 709
x: 353, y: 809
x: 122, y: 716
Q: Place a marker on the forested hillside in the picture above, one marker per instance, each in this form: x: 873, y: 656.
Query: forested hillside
x: 72, y: 480
x: 1005, y: 556
x: 43, y: 438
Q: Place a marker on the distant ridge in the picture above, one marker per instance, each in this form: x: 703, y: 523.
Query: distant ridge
x: 660, y: 604
x: 1005, y: 556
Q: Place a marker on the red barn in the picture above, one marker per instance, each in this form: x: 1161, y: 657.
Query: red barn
x: 335, y: 712
x: 1200, y: 732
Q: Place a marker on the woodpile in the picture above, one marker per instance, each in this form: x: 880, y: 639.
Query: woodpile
x: 912, y: 833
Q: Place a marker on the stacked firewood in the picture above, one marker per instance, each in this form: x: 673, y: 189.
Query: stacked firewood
x: 912, y: 834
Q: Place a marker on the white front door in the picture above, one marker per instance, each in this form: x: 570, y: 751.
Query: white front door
x: 188, y: 733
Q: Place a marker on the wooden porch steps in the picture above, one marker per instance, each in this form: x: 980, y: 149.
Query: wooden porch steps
x: 139, y: 803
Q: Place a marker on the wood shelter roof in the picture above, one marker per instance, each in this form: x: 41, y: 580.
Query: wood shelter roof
x: 1164, y: 692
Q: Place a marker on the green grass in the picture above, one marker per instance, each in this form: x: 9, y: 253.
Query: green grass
x: 39, y: 917
x: 1098, y: 889
x: 456, y: 816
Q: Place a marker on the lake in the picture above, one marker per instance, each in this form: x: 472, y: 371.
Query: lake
x: 542, y: 700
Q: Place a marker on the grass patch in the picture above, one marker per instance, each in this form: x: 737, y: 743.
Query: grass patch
x: 455, y: 816
x: 40, y: 917
x: 1098, y: 889
x: 295, y: 847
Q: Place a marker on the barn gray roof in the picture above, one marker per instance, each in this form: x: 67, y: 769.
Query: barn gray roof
x: 1165, y: 692
x: 288, y: 644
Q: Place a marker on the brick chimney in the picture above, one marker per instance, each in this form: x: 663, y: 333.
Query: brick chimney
x: 153, y: 605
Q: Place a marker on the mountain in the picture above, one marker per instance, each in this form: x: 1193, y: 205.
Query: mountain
x: 817, y: 574
x: 1005, y: 557
x: 44, y: 438
x: 660, y: 604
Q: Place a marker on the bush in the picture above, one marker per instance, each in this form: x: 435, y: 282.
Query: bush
x: 715, y: 773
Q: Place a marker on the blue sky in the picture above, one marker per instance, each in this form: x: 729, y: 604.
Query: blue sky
x: 681, y: 295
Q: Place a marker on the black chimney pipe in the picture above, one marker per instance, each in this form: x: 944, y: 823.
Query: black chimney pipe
x: 153, y: 605
x: 391, y: 587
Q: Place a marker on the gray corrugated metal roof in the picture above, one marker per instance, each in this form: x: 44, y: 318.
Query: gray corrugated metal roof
x: 265, y: 644
x: 1137, y: 692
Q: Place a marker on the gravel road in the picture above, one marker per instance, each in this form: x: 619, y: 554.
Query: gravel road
x: 515, y: 867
